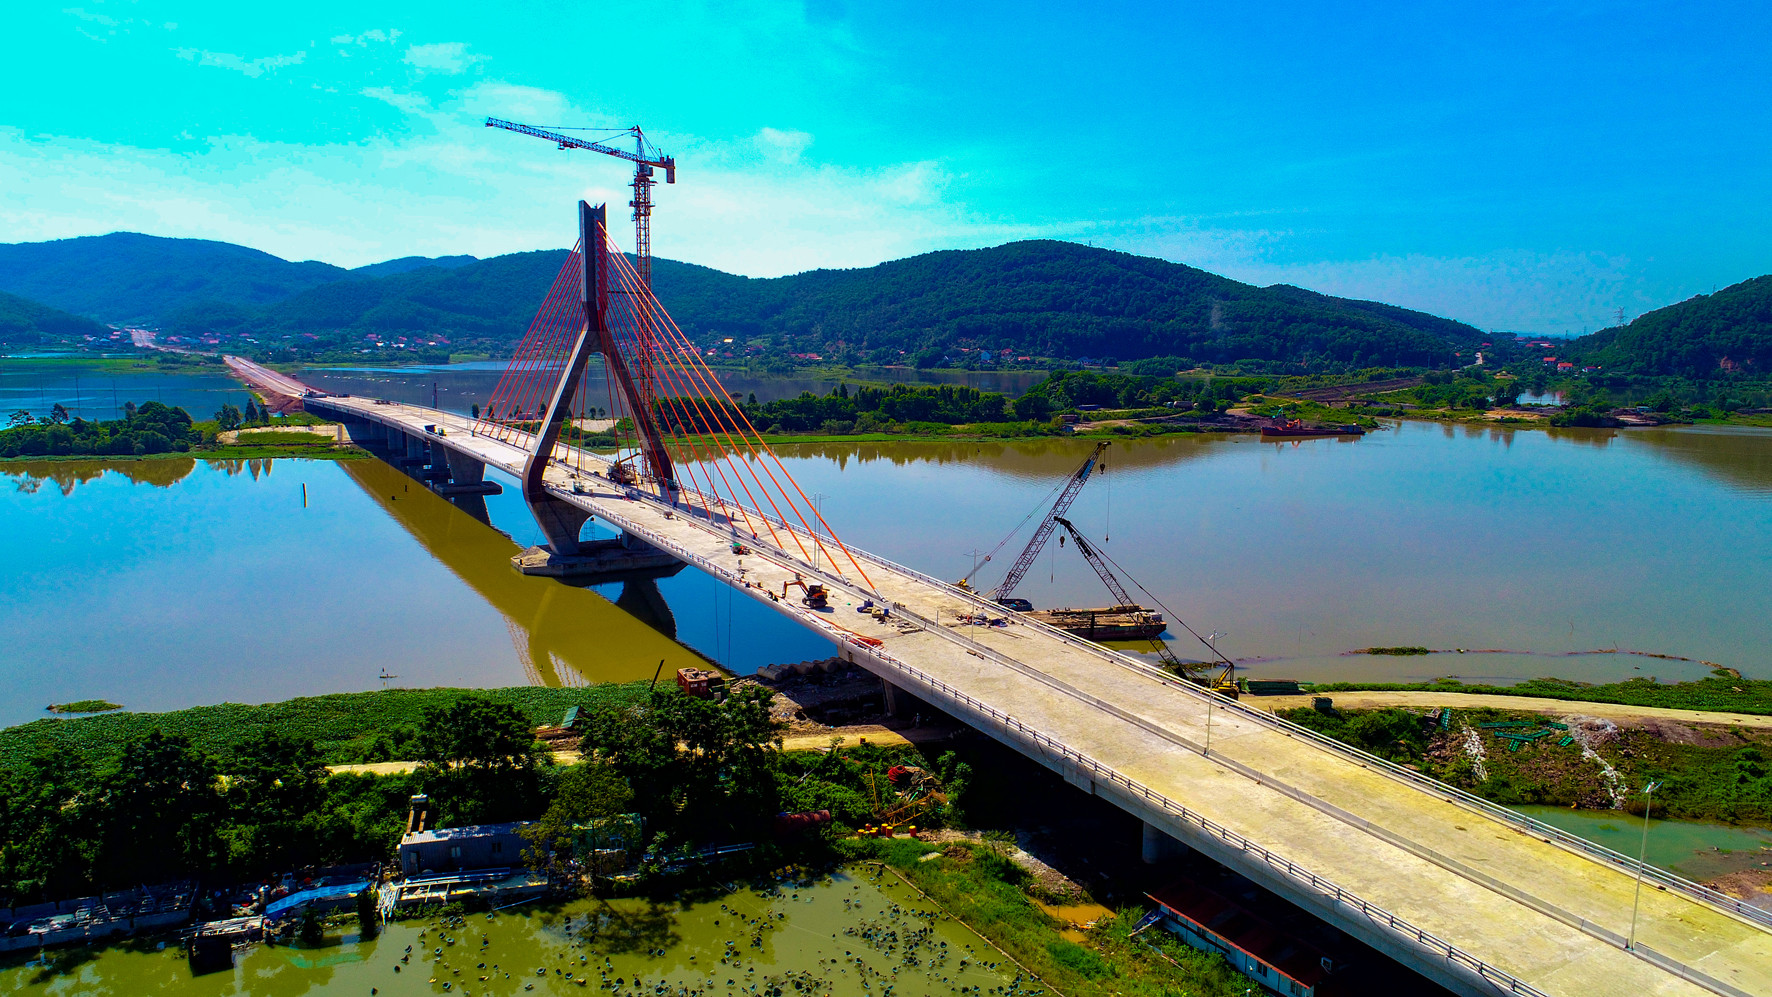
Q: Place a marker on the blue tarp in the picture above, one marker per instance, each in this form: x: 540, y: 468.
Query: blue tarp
x: 318, y: 895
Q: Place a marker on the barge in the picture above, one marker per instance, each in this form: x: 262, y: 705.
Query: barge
x: 1105, y: 623
x: 1296, y: 429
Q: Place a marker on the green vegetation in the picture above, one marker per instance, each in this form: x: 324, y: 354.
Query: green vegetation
x: 125, y: 277
x: 1163, y: 403
x: 85, y: 706
x: 156, y: 430
x: 1721, y: 775
x: 1722, y: 691
x: 242, y: 790
x: 1396, y: 650
x: 345, y: 727
x: 24, y: 322
x: 1706, y: 336
x: 1025, y: 299
x: 983, y: 889
x: 152, y: 428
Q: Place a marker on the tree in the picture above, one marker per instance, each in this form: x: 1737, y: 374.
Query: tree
x: 475, y: 409
x: 46, y: 847
x: 697, y: 768
x: 275, y: 783
x: 157, y: 812
x: 479, y: 759
x: 58, y: 414
x: 228, y: 418
x: 588, y: 794
x: 21, y: 417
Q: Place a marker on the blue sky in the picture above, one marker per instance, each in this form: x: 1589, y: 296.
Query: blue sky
x: 1520, y: 166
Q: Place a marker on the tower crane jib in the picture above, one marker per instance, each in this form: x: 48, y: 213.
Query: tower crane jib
x: 646, y: 159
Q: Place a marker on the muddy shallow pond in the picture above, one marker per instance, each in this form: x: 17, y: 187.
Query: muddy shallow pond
x: 847, y: 934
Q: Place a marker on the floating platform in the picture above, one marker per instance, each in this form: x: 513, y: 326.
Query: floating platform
x: 1106, y: 623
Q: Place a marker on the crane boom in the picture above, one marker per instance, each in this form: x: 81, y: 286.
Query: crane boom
x: 646, y: 157
x: 659, y: 160
x: 1122, y: 598
x: 1019, y: 569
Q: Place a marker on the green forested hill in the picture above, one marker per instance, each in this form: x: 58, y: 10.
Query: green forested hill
x: 1701, y: 337
x: 1048, y: 299
x: 1057, y: 299
x: 126, y: 277
x: 24, y: 322
x: 1037, y: 298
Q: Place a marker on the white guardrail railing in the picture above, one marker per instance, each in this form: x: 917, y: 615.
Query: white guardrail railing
x: 1103, y: 773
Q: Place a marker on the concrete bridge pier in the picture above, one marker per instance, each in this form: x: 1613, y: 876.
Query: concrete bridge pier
x: 467, y: 476
x: 1158, y: 845
x: 899, y: 703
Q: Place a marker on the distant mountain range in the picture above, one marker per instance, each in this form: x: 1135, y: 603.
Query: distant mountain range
x: 1702, y: 337
x: 1038, y: 298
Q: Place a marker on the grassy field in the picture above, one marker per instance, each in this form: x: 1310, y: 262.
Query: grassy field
x: 1709, y: 774
x: 342, y: 724
x: 1722, y: 691
x: 980, y: 887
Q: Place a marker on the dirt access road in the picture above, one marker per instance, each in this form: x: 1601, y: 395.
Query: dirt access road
x: 1530, y: 704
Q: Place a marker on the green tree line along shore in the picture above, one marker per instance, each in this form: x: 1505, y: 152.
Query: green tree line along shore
x: 155, y: 429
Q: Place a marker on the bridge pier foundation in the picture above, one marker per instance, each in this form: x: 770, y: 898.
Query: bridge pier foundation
x: 584, y: 563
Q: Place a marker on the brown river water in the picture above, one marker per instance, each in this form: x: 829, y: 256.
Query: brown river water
x: 161, y: 584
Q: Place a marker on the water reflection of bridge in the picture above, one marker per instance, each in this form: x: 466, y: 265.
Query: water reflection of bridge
x: 563, y: 635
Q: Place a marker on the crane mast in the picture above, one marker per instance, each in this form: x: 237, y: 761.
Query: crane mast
x: 646, y: 159
x: 1004, y: 592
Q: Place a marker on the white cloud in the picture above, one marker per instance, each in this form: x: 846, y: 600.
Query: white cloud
x: 783, y: 146
x: 756, y: 204
x: 240, y: 64
x: 449, y: 58
x: 373, y: 35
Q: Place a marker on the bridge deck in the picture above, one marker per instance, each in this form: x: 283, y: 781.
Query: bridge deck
x: 1540, y: 910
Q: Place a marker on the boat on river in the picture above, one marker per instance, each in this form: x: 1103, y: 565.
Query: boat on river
x: 1297, y: 429
x: 1105, y: 623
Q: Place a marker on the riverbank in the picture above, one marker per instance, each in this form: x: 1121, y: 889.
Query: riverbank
x: 1722, y: 691
x: 346, y: 727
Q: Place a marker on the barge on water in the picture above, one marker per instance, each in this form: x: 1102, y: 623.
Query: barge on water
x: 1106, y: 623
x: 1296, y: 429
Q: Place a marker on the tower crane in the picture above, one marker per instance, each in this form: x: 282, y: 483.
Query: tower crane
x: 1004, y: 593
x: 646, y: 158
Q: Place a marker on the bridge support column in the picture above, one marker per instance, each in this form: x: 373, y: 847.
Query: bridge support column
x: 467, y: 476
x: 1158, y: 845
x: 898, y: 702
x: 464, y: 470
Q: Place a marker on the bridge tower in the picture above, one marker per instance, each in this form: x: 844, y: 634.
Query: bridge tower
x: 560, y: 521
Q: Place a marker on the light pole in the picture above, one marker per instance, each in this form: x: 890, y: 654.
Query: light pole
x: 1212, y: 642
x: 1642, y: 856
